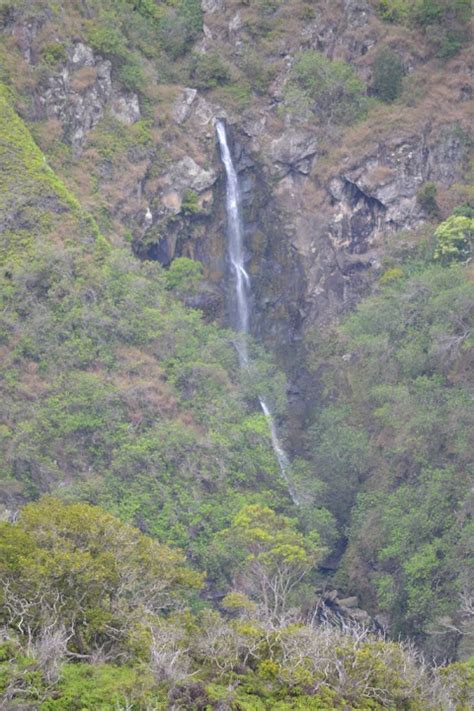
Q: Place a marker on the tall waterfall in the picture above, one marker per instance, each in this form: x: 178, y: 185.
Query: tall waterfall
x: 243, y: 289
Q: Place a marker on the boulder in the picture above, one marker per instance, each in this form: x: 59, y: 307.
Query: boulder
x: 182, y: 107
x: 125, y: 108
x: 186, y: 173
x: 212, y: 6
x: 348, y: 601
x: 292, y: 151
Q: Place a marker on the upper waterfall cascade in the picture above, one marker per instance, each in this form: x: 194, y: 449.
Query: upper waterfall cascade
x: 243, y: 288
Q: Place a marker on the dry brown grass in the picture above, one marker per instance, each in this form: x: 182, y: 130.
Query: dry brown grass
x: 380, y: 175
x: 442, y: 105
x: 142, y: 388
x: 84, y: 79
x: 48, y: 133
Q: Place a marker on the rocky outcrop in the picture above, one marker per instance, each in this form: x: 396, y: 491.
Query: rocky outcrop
x: 331, y: 607
x: 80, y: 93
x: 293, y: 151
x: 79, y: 89
x: 181, y: 109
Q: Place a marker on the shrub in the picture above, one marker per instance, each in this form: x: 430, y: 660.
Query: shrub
x: 426, y: 198
x: 235, y: 96
x: 331, y: 89
x: 259, y: 74
x: 464, y: 210
x: 446, y: 22
x: 391, y: 275
x: 173, y: 35
x: 388, y: 75
x: 131, y: 75
x: 180, y: 26
x: 454, y: 239
x: 190, y: 204
x: 108, y: 40
x: 184, y: 275
x: 191, y: 12
x: 54, y: 53
x: 208, y: 70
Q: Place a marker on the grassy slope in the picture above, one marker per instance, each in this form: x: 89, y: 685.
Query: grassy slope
x: 34, y: 203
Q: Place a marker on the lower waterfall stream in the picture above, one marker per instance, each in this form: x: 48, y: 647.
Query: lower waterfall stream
x: 243, y: 290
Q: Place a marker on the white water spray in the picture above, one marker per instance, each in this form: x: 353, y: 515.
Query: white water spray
x: 243, y: 290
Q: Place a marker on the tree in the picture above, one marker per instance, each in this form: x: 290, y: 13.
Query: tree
x: 331, y: 89
x: 78, y: 567
x: 454, y: 239
x: 184, y: 276
x: 388, y: 75
x: 275, y: 557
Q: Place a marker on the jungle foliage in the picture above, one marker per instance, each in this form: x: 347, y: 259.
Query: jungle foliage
x: 96, y: 616
x: 394, y: 439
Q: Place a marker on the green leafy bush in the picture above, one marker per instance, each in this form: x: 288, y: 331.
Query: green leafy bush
x: 190, y: 203
x: 184, y: 275
x: 330, y: 89
x: 209, y: 70
x: 54, y: 53
x: 445, y: 22
x: 426, y: 199
x: 131, y: 74
x: 106, y: 38
x: 388, y: 75
x: 454, y: 239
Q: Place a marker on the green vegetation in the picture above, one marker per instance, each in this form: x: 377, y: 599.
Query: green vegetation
x: 392, y: 442
x: 54, y: 53
x: 445, y: 22
x: 34, y: 203
x: 184, y: 276
x: 171, y: 26
x: 131, y: 388
x: 271, y: 556
x: 329, y: 89
x: 190, y: 204
x: 100, y: 577
x: 388, y: 75
x: 150, y: 555
x: 426, y: 198
x: 93, y: 617
x: 139, y: 405
x: 454, y: 239
x: 209, y: 70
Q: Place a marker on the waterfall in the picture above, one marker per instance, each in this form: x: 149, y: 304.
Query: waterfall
x: 243, y: 289
x: 236, y: 243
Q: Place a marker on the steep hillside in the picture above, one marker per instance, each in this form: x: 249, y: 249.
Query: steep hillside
x: 124, y: 403
x: 36, y: 208
x: 111, y: 386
